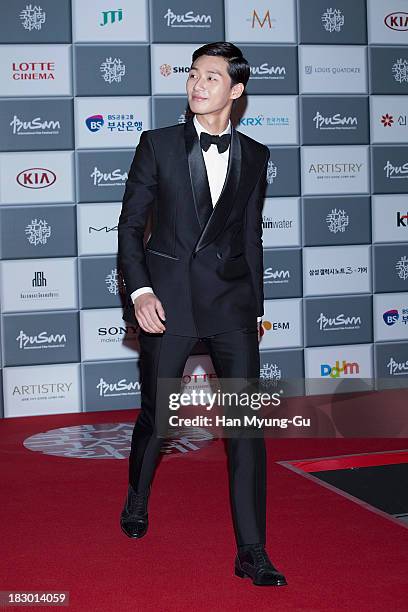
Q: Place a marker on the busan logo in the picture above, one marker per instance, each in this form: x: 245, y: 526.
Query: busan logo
x: 187, y: 19
x: 391, y: 317
x: 397, y: 21
x: 36, y: 178
x: 94, y: 123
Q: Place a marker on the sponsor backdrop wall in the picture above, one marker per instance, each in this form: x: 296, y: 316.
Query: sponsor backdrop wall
x: 80, y: 81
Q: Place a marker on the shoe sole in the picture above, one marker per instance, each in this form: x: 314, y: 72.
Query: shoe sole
x: 241, y: 574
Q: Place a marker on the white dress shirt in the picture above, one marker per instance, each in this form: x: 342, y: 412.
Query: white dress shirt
x: 216, y: 165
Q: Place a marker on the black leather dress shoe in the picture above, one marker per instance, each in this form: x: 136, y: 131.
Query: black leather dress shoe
x: 253, y: 562
x: 134, y: 517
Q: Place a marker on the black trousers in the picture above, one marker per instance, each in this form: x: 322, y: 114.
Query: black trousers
x: 234, y: 354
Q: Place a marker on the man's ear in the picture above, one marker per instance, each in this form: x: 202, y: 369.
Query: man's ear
x: 237, y: 90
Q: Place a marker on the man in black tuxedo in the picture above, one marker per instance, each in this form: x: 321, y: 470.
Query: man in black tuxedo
x: 200, y: 276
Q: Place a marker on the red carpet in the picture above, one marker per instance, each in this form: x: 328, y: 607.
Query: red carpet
x: 60, y: 531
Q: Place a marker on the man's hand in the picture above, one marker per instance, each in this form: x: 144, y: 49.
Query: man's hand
x: 148, y: 309
x: 259, y: 330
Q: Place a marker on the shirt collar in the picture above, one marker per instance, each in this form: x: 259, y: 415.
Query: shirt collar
x: 200, y: 128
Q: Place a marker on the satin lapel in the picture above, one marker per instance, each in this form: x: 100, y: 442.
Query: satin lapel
x: 225, y: 202
x: 198, y: 173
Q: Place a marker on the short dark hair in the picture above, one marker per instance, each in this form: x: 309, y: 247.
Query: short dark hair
x: 238, y: 67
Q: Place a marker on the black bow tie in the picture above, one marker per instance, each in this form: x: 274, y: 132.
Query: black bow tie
x: 222, y: 142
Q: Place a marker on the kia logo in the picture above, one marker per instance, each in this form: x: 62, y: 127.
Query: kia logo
x: 36, y: 178
x: 397, y: 21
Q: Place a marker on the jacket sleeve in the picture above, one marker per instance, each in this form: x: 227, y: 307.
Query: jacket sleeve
x: 253, y: 235
x: 140, y: 193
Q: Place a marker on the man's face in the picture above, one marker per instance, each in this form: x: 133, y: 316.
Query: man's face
x: 209, y: 85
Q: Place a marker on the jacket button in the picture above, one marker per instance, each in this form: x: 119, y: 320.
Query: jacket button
x: 219, y: 255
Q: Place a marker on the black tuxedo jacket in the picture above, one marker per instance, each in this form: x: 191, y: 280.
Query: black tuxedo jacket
x: 208, y: 275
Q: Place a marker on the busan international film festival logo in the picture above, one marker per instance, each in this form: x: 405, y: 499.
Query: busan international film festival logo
x: 115, y: 282
x: 337, y: 220
x: 38, y: 232
x: 36, y: 126
x: 400, y: 70
x: 186, y: 20
x: 332, y: 20
x: 112, y: 70
x: 32, y: 17
x: 110, y: 441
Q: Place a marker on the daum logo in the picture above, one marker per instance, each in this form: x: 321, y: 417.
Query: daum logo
x: 32, y: 17
x: 332, y: 20
x: 94, y: 123
x: 36, y: 178
x: 111, y: 17
x: 257, y: 21
x: 346, y: 369
x: 334, y: 122
x: 397, y: 21
x: 187, y: 20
